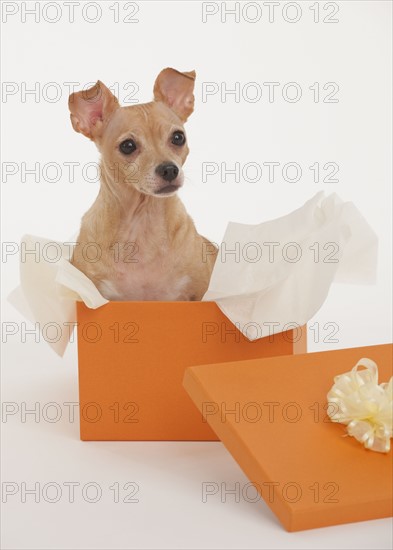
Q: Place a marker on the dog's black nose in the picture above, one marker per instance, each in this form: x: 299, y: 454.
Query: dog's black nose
x: 167, y: 171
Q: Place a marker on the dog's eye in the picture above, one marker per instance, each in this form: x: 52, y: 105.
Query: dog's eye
x: 178, y: 138
x: 127, y: 146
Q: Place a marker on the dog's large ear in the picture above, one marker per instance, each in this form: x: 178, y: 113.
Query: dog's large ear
x: 91, y: 108
x: 175, y: 89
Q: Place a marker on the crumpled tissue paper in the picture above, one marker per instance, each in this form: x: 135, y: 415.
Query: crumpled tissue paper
x: 277, y: 272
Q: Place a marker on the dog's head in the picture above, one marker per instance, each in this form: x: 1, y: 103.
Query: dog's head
x: 143, y: 146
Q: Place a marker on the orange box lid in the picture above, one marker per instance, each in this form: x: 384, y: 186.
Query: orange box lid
x: 271, y: 416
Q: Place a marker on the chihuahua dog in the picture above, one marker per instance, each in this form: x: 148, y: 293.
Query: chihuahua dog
x: 137, y: 241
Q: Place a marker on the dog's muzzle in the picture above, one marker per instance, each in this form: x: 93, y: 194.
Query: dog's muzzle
x: 168, y: 172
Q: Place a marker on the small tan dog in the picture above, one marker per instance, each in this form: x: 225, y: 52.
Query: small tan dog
x: 145, y: 245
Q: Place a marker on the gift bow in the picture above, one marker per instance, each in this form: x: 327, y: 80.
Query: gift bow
x: 365, y: 407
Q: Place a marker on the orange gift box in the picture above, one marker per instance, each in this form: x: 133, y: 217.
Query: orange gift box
x: 271, y: 415
x: 132, y: 357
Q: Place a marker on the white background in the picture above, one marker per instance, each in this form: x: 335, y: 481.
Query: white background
x: 355, y: 133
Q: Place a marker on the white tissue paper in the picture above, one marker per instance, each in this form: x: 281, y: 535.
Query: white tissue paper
x: 276, y: 273
x: 282, y: 269
x: 49, y: 289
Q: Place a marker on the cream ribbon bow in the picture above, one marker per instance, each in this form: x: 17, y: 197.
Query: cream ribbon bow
x: 365, y: 407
